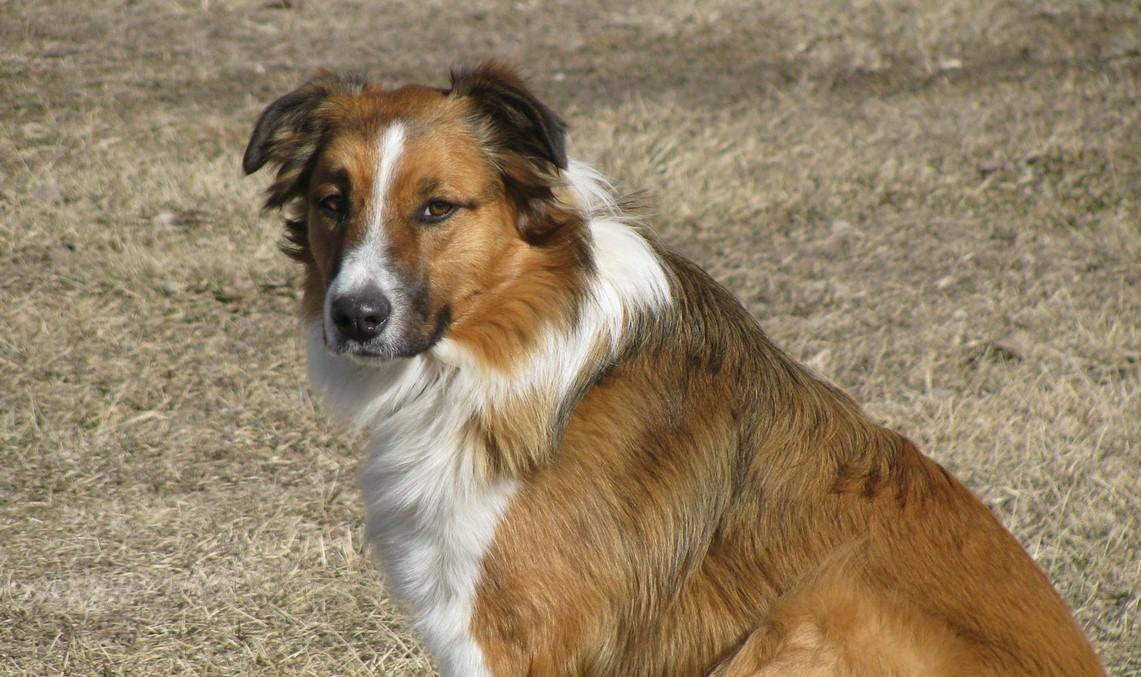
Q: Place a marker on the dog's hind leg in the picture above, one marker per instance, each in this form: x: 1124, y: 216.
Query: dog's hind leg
x: 835, y: 626
x: 774, y: 650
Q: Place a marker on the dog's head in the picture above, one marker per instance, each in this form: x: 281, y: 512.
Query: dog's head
x: 415, y: 211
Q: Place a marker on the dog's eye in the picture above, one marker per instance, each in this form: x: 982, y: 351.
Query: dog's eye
x: 333, y: 206
x: 436, y: 211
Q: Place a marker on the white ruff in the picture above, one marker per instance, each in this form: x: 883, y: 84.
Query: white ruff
x: 429, y: 516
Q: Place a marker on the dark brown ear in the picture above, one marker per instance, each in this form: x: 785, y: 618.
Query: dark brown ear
x: 287, y: 135
x: 527, y: 140
x: 288, y: 130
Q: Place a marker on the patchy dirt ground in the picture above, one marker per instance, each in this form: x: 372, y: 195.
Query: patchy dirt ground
x: 935, y: 204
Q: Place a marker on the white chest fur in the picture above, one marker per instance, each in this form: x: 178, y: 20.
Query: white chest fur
x: 429, y: 519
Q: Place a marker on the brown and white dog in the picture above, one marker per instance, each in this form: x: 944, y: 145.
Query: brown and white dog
x: 586, y: 457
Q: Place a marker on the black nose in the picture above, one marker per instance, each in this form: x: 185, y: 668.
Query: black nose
x: 361, y: 315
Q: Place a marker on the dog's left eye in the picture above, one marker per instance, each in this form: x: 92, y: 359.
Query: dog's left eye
x: 333, y: 205
x: 436, y: 211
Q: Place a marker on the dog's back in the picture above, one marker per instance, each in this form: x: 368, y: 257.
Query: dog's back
x: 714, y: 503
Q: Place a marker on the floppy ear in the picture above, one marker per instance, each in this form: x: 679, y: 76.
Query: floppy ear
x: 287, y: 135
x: 288, y: 130
x: 527, y: 141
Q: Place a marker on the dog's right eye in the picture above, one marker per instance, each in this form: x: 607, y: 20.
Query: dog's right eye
x: 333, y: 206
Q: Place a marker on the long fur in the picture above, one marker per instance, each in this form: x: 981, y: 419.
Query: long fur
x: 598, y: 463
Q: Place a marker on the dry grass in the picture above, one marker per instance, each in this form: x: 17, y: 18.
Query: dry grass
x: 893, y: 188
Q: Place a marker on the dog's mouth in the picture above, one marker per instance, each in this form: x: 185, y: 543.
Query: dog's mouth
x: 367, y: 353
x: 363, y: 356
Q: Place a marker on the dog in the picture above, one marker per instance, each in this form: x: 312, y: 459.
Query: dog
x: 586, y: 457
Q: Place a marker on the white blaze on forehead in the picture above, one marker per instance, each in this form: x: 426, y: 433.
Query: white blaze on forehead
x: 366, y: 264
x: 388, y: 149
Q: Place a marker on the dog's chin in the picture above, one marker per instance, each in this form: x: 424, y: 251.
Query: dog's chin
x: 367, y: 359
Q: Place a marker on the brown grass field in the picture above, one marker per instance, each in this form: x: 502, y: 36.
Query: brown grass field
x: 935, y: 204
